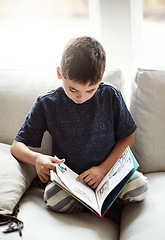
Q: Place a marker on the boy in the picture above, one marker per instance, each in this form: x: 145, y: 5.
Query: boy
x: 88, y: 121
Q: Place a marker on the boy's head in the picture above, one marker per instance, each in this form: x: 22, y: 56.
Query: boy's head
x: 82, y: 68
x: 83, y: 61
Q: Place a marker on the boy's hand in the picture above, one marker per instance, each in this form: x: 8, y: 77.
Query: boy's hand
x: 44, y: 164
x: 93, y: 176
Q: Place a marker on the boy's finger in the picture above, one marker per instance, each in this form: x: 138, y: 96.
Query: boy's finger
x: 56, y: 160
x: 82, y: 175
x: 52, y: 166
x: 44, y: 179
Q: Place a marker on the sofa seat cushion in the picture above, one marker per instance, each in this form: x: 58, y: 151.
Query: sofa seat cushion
x: 41, y: 223
x: 145, y: 220
x: 148, y: 110
x: 15, y: 178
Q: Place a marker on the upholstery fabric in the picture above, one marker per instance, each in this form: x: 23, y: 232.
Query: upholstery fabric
x: 15, y: 178
x: 145, y: 220
x: 62, y: 226
x: 148, y: 111
x: 19, y: 90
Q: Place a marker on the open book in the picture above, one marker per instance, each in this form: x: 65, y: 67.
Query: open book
x: 100, y: 199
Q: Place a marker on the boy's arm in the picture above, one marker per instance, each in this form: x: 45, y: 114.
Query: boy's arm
x: 94, y: 175
x: 43, y: 163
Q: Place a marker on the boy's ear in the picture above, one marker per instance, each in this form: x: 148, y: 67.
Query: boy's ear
x: 58, y: 72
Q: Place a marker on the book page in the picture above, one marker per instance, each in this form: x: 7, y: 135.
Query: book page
x: 118, y: 172
x: 55, y: 178
x: 78, y: 188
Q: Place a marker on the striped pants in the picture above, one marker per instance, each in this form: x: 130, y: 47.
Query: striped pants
x: 60, y: 201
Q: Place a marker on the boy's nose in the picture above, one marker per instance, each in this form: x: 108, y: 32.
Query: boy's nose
x: 79, y: 96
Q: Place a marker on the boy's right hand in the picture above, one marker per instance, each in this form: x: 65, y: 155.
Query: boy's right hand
x: 44, y: 164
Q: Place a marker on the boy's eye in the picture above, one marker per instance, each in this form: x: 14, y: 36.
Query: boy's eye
x: 73, y: 90
x: 90, y: 91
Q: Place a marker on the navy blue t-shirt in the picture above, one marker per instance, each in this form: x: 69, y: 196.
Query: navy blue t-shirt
x: 84, y: 134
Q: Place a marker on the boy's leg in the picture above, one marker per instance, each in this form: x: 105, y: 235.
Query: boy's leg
x: 59, y: 200
x: 136, y: 189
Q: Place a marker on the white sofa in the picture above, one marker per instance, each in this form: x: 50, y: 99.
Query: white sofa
x: 144, y: 220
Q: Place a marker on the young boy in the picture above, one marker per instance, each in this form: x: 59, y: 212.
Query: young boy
x: 88, y: 121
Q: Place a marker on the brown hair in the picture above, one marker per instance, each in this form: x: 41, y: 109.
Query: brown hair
x: 83, y: 60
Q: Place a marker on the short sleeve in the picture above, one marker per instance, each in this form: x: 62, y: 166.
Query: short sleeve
x: 123, y: 121
x: 31, y: 133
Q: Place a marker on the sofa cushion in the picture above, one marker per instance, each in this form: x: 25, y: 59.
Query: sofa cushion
x: 145, y: 220
x: 40, y: 223
x: 18, y: 91
x: 148, y: 110
x: 116, y: 78
x: 15, y: 178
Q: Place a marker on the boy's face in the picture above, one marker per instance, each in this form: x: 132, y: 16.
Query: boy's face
x: 77, y: 92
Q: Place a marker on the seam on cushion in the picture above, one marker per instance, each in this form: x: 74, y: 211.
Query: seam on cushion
x: 136, y: 93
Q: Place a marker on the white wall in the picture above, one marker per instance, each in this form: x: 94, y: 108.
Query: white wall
x: 119, y: 26
x: 116, y: 31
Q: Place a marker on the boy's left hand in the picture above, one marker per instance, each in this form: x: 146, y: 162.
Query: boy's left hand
x: 93, y: 176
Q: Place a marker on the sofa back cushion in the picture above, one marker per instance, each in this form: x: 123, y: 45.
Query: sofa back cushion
x: 148, y: 110
x: 18, y: 91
